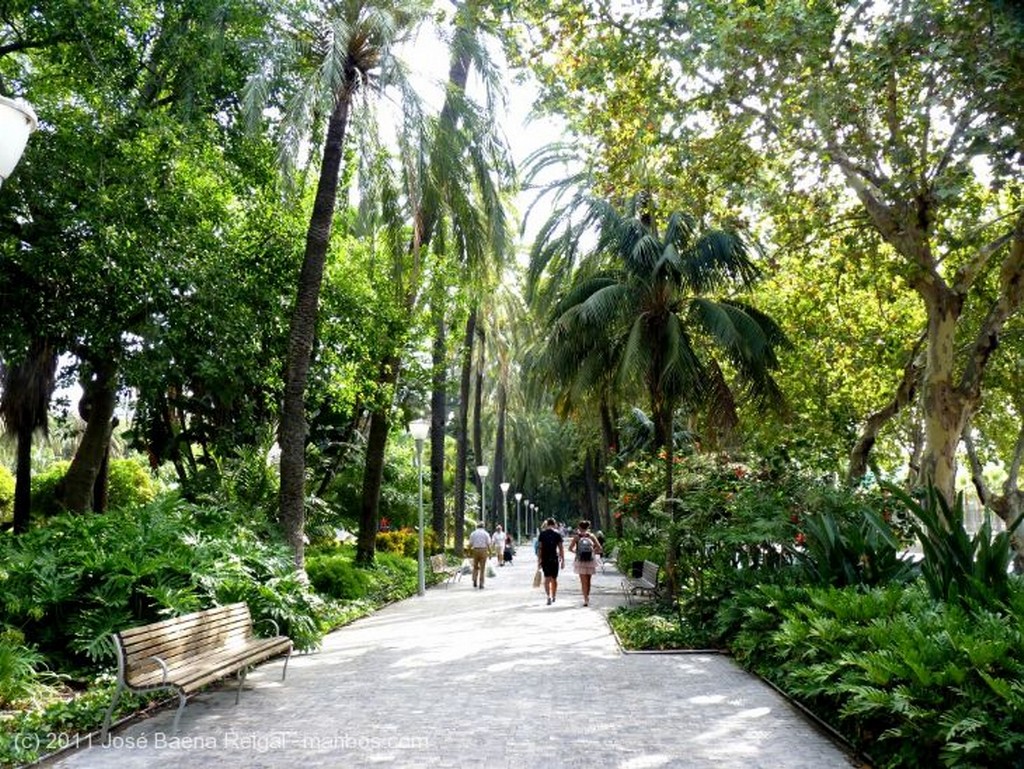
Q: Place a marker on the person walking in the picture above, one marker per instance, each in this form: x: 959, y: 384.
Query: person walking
x: 479, y: 545
x: 498, y: 542
x: 550, y: 557
x: 586, y: 547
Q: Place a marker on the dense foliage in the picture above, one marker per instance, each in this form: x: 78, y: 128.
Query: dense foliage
x: 810, y: 586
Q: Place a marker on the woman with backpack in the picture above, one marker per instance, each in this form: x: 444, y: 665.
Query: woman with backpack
x: 587, y: 548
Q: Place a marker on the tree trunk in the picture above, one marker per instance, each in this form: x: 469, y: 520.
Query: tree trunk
x: 438, y: 417
x: 499, y: 454
x: 23, y: 481
x: 100, y: 489
x: 945, y: 408
x: 97, y: 409
x: 478, y: 438
x: 905, y: 392
x: 462, y: 433
x: 293, y: 428
x: 373, y: 472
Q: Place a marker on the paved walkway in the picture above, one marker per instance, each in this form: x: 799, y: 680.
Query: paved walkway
x: 482, y: 678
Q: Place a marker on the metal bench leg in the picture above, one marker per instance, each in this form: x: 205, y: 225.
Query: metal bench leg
x: 241, y: 680
x: 284, y: 670
x: 110, y: 710
x: 181, y: 707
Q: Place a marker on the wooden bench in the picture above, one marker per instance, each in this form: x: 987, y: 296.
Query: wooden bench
x: 645, y: 584
x: 188, y: 652
x: 440, y: 565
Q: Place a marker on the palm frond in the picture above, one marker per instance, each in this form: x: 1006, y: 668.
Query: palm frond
x: 717, y: 259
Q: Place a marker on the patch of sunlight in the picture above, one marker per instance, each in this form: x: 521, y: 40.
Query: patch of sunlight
x: 707, y: 699
x: 646, y: 762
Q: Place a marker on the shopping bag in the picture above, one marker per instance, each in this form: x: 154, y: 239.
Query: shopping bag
x: 536, y: 578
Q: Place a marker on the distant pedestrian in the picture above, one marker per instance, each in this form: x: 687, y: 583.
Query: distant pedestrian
x: 479, y: 545
x: 586, y: 547
x: 550, y: 557
x: 510, y: 548
x: 498, y: 543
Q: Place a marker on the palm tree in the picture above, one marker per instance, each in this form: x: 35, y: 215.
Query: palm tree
x: 27, y: 389
x: 453, y: 172
x: 640, y: 302
x: 333, y: 55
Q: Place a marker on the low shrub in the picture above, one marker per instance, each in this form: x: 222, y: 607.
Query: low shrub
x: 6, y: 494
x: 406, y: 542
x: 655, y: 626
x: 337, y: 576
x: 911, y: 681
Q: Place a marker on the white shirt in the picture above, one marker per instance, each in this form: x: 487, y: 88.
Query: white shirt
x: 479, y: 538
x: 498, y: 540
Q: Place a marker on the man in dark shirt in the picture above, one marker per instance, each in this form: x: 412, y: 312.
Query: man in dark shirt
x: 550, y: 557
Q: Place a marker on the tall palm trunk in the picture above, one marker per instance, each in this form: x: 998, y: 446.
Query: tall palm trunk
x: 462, y: 432
x: 293, y: 428
x: 438, y: 413
x: 373, y: 473
x: 499, y: 454
x: 478, y: 402
x: 425, y: 219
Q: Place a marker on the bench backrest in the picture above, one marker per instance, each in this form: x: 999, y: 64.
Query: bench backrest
x: 176, y: 639
x: 650, y: 572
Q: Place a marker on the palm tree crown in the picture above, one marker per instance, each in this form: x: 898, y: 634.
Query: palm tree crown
x: 639, y: 306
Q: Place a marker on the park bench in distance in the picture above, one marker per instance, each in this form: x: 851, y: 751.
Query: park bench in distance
x: 188, y: 652
x: 612, y: 559
x: 439, y: 565
x: 645, y: 584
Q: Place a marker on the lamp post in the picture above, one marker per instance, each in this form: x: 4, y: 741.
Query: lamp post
x: 17, y: 121
x: 418, y: 429
x: 481, y: 471
x: 519, y: 521
x: 504, y: 504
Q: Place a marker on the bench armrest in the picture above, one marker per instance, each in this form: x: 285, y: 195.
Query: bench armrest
x: 271, y: 622
x: 163, y: 668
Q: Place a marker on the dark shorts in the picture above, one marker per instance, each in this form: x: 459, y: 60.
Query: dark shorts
x: 550, y: 568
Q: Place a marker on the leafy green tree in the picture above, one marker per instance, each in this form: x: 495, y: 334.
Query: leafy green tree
x: 87, y: 253
x: 908, y: 114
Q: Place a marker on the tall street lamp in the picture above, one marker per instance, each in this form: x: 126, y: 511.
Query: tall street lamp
x: 519, y: 521
x: 418, y: 429
x: 504, y: 504
x: 17, y: 121
x: 481, y: 471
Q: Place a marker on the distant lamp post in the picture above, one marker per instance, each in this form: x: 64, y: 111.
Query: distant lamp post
x: 519, y: 520
x: 418, y: 429
x: 17, y: 121
x: 481, y: 471
x: 504, y: 504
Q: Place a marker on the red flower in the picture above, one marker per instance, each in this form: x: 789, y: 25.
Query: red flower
x: 800, y: 538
